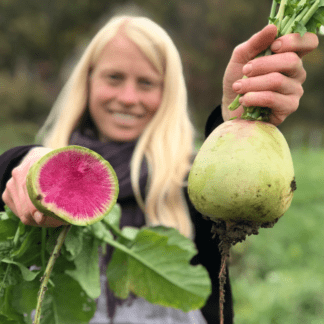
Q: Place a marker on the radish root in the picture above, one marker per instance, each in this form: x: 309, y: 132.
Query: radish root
x: 229, y: 234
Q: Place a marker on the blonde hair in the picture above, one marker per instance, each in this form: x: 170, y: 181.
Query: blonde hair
x: 167, y: 141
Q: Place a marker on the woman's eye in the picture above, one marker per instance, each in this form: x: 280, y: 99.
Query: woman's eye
x: 115, y: 77
x: 146, y: 83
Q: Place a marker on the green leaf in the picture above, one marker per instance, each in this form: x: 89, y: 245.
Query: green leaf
x: 7, y: 311
x: 73, y: 243
x: 112, y: 222
x: 130, y: 232
x: 5, y: 320
x: 273, y: 21
x: 175, y: 238
x: 11, y: 215
x: 300, y: 28
x: 87, y: 271
x: 290, y: 9
x: 100, y: 231
x: 3, y: 216
x: 5, y: 249
x: 316, y: 21
x: 113, y: 218
x: 118, y: 273
x: 67, y: 303
x: 157, y: 268
x: 26, y: 273
x: 7, y: 229
x: 27, y: 242
x: 24, y: 296
x: 9, y: 276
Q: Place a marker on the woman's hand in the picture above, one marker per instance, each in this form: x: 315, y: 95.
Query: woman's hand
x: 274, y: 81
x: 16, y: 196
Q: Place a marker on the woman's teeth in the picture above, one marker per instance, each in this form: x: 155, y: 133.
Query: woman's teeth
x: 125, y: 116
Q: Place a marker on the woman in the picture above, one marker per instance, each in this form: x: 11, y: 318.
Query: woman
x: 126, y: 99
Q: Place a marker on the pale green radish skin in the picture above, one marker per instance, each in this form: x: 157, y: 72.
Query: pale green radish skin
x: 243, y: 172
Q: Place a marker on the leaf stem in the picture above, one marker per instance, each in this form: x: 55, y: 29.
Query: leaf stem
x: 289, y: 28
x: 43, y: 250
x: 2, y: 284
x: 16, y: 237
x: 15, y: 243
x: 236, y: 103
x: 116, y: 231
x: 126, y: 250
x: 285, y: 22
x: 310, y: 12
x: 281, y: 13
x: 289, y: 24
x: 273, y: 11
x: 49, y: 268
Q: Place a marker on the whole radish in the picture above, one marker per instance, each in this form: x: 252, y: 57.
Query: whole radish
x: 243, y: 176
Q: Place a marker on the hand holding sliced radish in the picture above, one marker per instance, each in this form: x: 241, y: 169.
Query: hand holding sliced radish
x: 16, y: 196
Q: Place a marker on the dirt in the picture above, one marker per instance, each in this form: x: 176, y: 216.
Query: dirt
x: 293, y: 185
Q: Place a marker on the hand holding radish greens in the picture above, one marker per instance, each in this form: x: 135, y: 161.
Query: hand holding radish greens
x: 272, y: 81
x: 243, y: 176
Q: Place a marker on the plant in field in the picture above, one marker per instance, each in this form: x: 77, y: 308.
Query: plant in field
x: 77, y: 185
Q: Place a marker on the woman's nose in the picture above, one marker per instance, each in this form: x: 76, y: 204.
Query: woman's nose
x: 129, y: 94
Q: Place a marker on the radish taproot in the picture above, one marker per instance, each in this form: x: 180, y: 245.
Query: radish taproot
x: 243, y: 177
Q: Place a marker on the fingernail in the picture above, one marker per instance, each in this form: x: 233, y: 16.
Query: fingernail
x: 276, y: 46
x: 38, y: 216
x: 237, y: 86
x: 241, y: 100
x: 247, y: 69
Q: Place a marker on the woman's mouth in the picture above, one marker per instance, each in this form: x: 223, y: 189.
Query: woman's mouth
x: 125, y: 115
x: 125, y: 119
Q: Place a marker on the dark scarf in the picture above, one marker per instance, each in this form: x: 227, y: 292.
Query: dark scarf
x: 119, y: 156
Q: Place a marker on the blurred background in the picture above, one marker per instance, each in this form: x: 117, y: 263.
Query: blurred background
x: 277, y: 276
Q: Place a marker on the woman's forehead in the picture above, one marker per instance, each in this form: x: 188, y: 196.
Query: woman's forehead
x: 122, y: 53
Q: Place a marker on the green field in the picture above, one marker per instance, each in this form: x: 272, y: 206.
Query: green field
x: 278, y: 275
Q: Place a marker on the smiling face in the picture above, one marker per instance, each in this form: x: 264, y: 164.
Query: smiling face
x: 125, y: 91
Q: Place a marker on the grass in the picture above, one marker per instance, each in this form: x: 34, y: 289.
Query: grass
x: 277, y: 276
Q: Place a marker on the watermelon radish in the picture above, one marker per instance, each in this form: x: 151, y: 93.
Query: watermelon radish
x: 242, y: 179
x: 243, y: 172
x: 73, y: 184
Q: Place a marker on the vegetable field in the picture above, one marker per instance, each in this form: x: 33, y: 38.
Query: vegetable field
x: 277, y: 276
